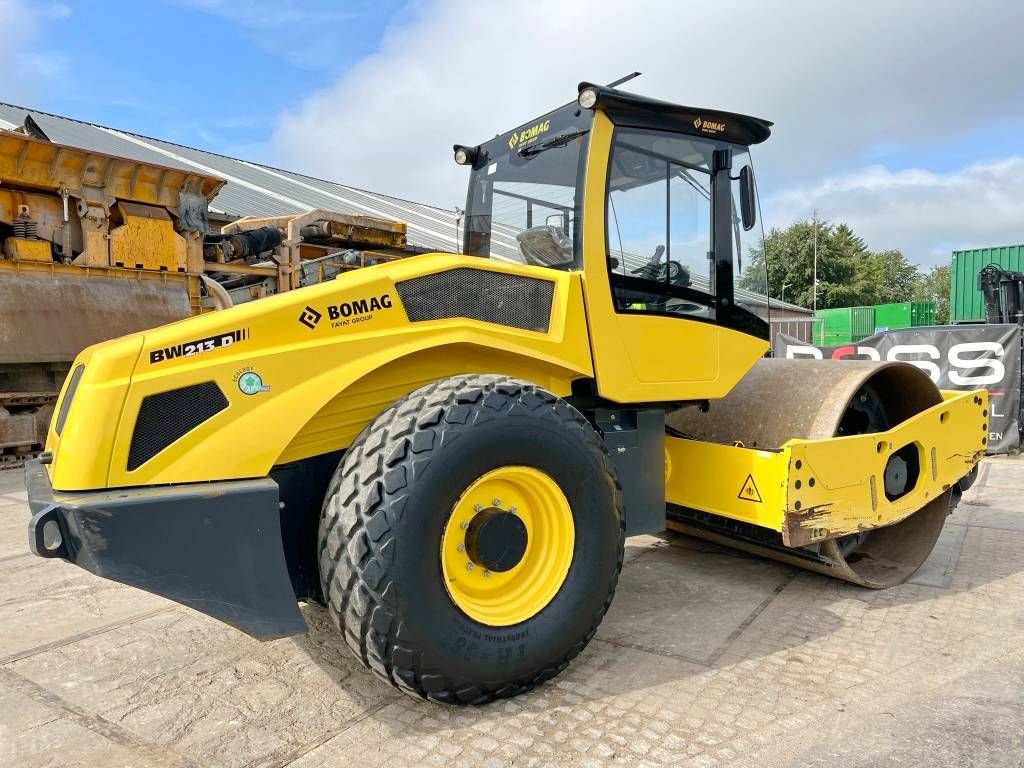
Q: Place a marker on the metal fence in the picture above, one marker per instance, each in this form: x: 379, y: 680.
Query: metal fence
x: 805, y: 329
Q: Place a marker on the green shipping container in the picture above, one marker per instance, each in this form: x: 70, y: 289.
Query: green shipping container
x: 905, y: 314
x: 922, y: 313
x: 966, y: 304
x: 837, y: 339
x: 890, y: 316
x: 845, y: 325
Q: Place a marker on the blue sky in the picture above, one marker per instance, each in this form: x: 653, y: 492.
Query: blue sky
x: 905, y: 120
x: 201, y: 73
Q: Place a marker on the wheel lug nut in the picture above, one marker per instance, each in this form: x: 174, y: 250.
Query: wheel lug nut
x: 461, y: 547
x: 487, y: 574
x: 513, y: 510
x: 496, y: 502
x: 464, y: 525
x: 478, y: 507
x: 469, y: 566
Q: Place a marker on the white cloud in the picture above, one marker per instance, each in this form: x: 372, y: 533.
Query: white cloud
x: 923, y: 213
x: 839, y: 79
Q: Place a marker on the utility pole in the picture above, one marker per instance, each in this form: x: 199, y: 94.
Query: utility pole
x: 814, y: 285
x: 782, y: 297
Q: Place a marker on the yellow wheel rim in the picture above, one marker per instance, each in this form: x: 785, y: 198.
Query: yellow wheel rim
x: 501, y: 598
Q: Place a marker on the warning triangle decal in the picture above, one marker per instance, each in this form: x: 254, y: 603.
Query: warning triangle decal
x: 749, y: 490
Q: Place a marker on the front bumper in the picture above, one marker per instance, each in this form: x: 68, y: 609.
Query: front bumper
x: 215, y: 547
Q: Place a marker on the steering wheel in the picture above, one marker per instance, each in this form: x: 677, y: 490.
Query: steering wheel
x: 675, y: 272
x: 655, y: 269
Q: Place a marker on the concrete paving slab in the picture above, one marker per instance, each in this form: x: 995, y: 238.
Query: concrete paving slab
x: 1006, y: 518
x: 13, y: 530
x: 707, y: 658
x: 972, y: 721
x: 45, y: 600
x: 186, y: 682
x: 602, y: 710
x: 1003, y: 473
x: 34, y: 733
x: 12, y: 481
x: 672, y: 589
x: 938, y: 569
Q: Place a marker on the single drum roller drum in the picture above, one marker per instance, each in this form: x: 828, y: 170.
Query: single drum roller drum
x: 780, y: 400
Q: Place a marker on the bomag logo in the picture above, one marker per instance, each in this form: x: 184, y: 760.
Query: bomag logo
x: 528, y: 135
x: 359, y: 307
x: 708, y: 126
x: 347, y: 312
x: 309, y: 317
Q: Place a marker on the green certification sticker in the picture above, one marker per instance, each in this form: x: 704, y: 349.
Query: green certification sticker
x: 251, y: 384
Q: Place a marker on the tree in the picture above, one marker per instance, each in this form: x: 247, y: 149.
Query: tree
x: 895, y: 278
x: 849, y: 274
x: 934, y: 287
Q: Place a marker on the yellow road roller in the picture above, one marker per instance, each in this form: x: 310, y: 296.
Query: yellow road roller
x: 449, y: 450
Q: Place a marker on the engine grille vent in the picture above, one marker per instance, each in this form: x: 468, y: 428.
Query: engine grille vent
x: 479, y: 294
x: 166, y: 416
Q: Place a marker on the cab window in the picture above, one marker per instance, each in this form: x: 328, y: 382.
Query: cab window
x: 525, y: 194
x: 659, y: 214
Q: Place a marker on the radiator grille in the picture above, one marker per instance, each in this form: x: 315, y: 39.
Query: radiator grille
x: 479, y: 294
x: 166, y: 416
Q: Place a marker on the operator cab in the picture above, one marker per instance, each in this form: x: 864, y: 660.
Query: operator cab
x: 678, y: 194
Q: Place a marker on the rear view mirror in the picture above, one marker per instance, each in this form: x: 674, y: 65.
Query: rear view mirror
x: 748, y: 198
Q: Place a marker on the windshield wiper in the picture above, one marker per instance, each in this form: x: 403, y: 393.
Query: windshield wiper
x: 554, y: 141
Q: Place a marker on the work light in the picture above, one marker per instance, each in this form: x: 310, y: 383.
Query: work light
x: 465, y: 155
x: 588, y: 98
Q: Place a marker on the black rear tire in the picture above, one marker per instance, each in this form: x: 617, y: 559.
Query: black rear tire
x: 386, y: 508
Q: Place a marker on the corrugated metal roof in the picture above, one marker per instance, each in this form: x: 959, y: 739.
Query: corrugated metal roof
x: 259, y: 190
x: 252, y: 189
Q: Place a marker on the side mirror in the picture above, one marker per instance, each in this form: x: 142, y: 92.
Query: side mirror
x: 748, y: 198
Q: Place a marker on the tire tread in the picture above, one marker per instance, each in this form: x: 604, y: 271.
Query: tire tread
x: 364, y: 504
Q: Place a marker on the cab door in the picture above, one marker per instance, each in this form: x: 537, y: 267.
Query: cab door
x: 658, y: 267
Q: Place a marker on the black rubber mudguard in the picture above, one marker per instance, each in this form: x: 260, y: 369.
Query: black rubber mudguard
x: 215, y: 547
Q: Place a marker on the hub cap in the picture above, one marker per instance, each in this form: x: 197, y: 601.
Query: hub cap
x: 895, y: 476
x: 507, y: 546
x: 496, y: 540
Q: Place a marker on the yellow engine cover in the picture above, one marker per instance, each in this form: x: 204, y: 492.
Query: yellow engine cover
x: 304, y: 371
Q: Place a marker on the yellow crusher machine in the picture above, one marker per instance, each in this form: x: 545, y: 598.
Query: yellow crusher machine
x: 95, y: 246
x: 449, y: 450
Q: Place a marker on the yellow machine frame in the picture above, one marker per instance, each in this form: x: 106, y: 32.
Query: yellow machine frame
x: 449, y: 450
x: 326, y: 387
x: 812, y: 490
x: 324, y: 383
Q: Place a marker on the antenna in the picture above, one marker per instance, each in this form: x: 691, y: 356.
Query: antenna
x: 625, y: 79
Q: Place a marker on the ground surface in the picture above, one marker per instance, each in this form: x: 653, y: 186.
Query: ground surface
x: 708, y: 657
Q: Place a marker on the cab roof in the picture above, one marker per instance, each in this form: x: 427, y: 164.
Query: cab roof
x: 643, y: 112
